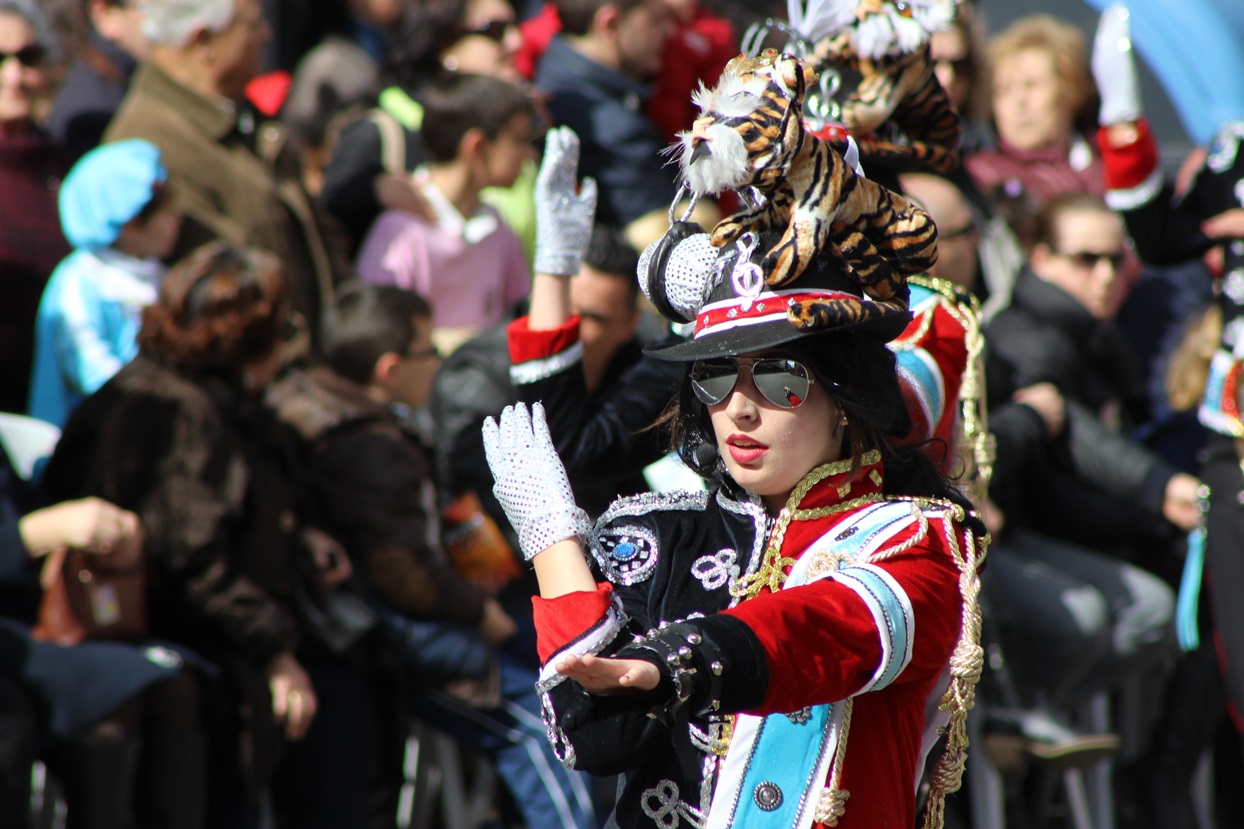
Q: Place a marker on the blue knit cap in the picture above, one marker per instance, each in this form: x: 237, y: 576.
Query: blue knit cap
x: 106, y: 189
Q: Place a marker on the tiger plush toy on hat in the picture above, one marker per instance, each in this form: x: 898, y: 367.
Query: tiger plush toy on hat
x: 751, y: 134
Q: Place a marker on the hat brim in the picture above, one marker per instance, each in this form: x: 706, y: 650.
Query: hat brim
x: 748, y: 338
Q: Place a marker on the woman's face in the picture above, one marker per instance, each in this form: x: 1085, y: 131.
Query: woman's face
x: 1030, y: 109
x: 20, y: 82
x: 951, y: 55
x: 768, y: 449
x: 491, y: 42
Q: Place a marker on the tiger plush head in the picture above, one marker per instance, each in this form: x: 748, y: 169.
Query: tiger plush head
x: 749, y: 126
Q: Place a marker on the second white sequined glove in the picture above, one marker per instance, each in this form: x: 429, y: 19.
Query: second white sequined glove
x: 530, y: 480
x: 564, y: 212
x: 1114, y: 68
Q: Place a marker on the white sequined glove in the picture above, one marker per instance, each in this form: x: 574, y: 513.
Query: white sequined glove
x: 563, y: 213
x: 531, y: 481
x: 1114, y: 68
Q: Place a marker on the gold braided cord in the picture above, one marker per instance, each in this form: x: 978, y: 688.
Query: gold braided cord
x: 832, y: 803
x: 772, y: 570
x: 966, y: 664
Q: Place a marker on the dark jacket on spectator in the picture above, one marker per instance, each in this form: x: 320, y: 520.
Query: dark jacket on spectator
x: 90, y: 95
x: 31, y: 246
x: 1095, y: 484
x: 201, y: 465
x: 348, y: 192
x: 373, y: 489
x: 237, y: 180
x: 621, y: 148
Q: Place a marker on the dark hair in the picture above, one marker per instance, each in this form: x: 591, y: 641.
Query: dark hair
x: 465, y: 102
x: 609, y: 252
x: 367, y: 322
x: 219, y: 308
x: 424, y: 30
x: 577, y: 15
x: 1043, y: 228
x: 858, y: 372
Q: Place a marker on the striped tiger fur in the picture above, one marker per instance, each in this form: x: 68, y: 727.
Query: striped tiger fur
x: 899, y: 114
x: 897, y: 111
x: 751, y: 134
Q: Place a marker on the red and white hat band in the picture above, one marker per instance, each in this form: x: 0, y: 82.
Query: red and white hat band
x: 766, y: 306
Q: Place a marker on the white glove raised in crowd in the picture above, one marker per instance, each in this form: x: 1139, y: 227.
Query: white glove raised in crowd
x: 531, y: 481
x: 564, y: 212
x: 1114, y: 68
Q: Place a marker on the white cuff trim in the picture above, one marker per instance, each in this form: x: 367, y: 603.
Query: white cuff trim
x: 1138, y: 196
x: 541, y: 369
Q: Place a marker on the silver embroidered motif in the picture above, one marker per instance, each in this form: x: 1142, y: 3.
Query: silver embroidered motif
x: 716, y: 570
x: 665, y: 812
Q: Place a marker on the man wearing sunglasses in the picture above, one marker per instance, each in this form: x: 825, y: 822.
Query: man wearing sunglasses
x: 1084, y: 501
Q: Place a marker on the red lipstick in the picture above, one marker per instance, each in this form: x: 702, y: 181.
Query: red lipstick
x: 745, y: 450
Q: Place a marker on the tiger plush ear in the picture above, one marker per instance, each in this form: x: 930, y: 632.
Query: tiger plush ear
x: 796, y: 74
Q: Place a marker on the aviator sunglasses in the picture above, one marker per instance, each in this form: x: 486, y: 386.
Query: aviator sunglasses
x: 782, y: 381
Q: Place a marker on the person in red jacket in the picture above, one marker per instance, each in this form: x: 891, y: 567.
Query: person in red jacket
x: 756, y: 653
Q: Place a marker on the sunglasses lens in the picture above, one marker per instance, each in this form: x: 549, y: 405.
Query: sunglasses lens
x: 712, y: 381
x: 784, y: 383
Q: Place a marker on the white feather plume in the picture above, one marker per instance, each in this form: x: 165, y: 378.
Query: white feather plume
x: 816, y: 19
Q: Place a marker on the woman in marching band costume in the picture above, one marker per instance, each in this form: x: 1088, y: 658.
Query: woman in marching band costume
x: 761, y: 653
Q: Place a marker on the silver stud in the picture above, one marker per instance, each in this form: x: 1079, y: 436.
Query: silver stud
x: 768, y: 796
x: 716, y: 668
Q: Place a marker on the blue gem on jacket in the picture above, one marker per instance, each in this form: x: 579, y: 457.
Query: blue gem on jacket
x: 627, y: 554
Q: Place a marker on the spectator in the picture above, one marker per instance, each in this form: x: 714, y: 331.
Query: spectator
x: 1091, y: 486
x: 372, y: 476
x: 976, y: 252
x: 179, y: 436
x: 92, y: 92
x: 235, y: 179
x: 700, y: 46
x: 1040, y: 93
x: 119, y: 217
x: 367, y: 173
x: 1172, y: 224
x: 596, y: 73
x: 466, y: 260
x: 955, y: 52
x: 31, y: 168
x: 119, y: 722
x: 345, y: 66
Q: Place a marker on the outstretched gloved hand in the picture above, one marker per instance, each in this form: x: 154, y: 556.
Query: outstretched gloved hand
x: 1114, y: 68
x: 531, y: 481
x: 563, y: 212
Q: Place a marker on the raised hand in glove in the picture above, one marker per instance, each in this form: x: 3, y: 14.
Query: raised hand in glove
x: 531, y: 481
x: 1114, y: 68
x: 564, y: 212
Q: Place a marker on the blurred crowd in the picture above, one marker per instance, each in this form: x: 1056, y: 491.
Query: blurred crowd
x: 266, y: 266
